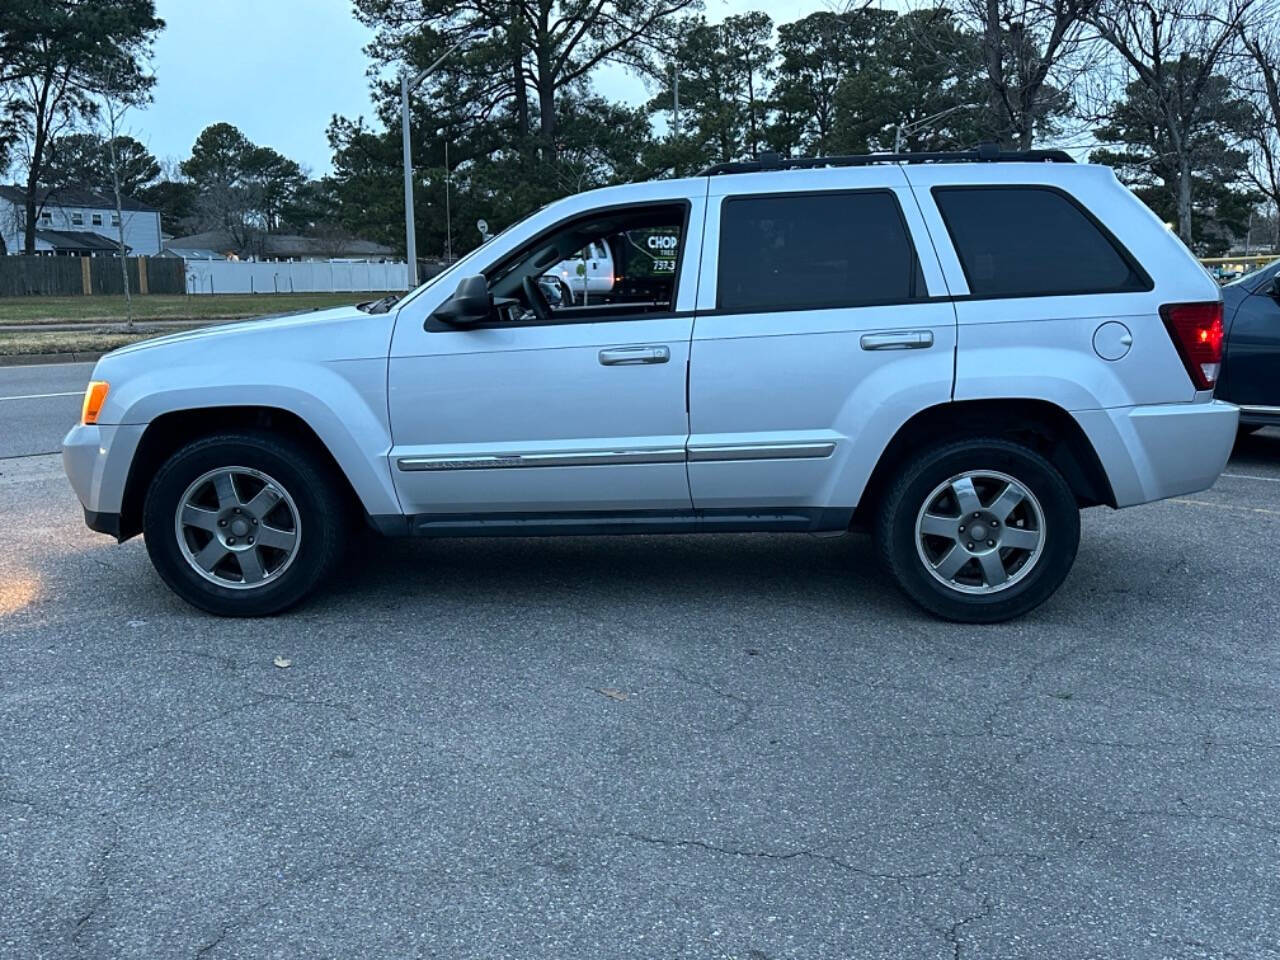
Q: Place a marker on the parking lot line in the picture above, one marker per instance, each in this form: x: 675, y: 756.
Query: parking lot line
x: 45, y: 396
x: 1251, y: 476
x: 1224, y: 506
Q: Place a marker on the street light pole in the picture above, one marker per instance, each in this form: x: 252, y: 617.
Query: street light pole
x: 448, y: 187
x: 675, y: 87
x: 407, y: 86
x: 410, y: 241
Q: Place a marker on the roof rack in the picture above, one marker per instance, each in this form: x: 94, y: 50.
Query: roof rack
x: 985, y: 153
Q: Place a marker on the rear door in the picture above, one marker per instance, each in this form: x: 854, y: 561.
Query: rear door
x: 822, y: 325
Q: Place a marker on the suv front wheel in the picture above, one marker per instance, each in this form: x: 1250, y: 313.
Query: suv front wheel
x: 244, y: 524
x: 979, y: 531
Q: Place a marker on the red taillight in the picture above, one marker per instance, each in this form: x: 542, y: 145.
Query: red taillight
x: 1196, y: 330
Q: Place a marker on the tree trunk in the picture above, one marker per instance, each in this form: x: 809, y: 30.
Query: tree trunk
x: 517, y: 72
x: 124, y: 262
x: 29, y: 212
x: 36, y: 168
x: 29, y: 195
x: 993, y: 55
x: 1184, y: 199
x: 547, y: 111
x: 546, y: 84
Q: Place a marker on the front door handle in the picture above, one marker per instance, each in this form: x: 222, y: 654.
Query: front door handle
x: 646, y: 353
x: 898, y: 340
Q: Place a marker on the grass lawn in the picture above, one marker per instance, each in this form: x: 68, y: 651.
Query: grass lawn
x: 223, y: 306
x: 90, y: 340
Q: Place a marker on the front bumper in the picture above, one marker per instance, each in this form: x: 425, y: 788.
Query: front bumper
x: 96, y: 459
x: 1163, y: 450
x: 108, y: 523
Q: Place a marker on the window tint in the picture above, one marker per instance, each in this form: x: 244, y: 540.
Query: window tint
x: 1032, y: 242
x: 632, y: 266
x: 810, y: 251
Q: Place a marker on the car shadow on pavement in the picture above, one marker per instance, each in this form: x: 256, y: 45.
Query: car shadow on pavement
x: 720, y: 568
x: 708, y: 561
x: 1257, y: 449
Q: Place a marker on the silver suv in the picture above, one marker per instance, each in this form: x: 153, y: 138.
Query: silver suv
x: 956, y: 352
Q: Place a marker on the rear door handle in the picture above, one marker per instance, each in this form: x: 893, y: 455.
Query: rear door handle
x: 645, y: 353
x: 898, y: 340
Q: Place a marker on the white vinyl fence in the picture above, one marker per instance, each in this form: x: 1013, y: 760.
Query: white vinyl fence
x: 306, y: 276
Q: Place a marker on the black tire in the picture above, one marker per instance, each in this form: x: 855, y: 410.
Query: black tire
x: 896, y: 538
x: 323, y: 520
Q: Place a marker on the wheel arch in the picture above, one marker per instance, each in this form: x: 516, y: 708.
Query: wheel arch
x: 1043, y: 426
x: 171, y: 431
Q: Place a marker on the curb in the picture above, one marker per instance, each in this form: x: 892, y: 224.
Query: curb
x: 31, y: 359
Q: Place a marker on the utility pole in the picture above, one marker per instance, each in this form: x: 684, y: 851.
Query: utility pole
x: 407, y: 86
x: 410, y: 240
x: 675, y: 87
x: 448, y: 184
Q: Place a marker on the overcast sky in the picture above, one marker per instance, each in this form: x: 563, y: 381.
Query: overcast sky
x: 279, y: 69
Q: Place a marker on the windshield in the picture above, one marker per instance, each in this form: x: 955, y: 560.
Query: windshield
x: 453, y: 268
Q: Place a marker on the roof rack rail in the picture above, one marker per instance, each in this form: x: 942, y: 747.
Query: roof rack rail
x: 985, y: 153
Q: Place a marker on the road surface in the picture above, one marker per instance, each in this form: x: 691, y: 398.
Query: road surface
x: 680, y: 747
x: 38, y: 405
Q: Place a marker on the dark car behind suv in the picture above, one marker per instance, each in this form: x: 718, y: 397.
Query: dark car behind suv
x: 1251, y: 361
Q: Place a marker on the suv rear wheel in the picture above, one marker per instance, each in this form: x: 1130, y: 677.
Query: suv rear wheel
x: 979, y: 531
x: 244, y: 524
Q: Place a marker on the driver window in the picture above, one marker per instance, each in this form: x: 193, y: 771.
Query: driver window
x: 609, y: 264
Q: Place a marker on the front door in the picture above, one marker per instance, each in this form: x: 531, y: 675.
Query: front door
x: 581, y: 412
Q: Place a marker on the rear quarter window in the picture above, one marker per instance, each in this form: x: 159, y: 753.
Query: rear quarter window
x: 1033, y: 242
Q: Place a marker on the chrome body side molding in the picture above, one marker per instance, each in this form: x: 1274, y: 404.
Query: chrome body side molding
x: 761, y: 451
x: 582, y: 459
x: 589, y: 458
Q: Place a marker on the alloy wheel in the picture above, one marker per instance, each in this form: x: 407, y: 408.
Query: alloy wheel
x: 238, y: 527
x: 980, y: 532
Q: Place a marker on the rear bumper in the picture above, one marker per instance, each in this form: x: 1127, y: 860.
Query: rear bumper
x: 1165, y: 450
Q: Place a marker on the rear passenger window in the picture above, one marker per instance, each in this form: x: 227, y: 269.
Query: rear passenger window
x: 1033, y: 242
x: 814, y: 251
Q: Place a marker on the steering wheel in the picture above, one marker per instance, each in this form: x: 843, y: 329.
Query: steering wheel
x: 538, y: 302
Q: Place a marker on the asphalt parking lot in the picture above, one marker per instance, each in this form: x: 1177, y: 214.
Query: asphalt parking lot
x: 722, y: 747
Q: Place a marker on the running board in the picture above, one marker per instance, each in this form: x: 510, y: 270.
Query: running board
x: 593, y: 523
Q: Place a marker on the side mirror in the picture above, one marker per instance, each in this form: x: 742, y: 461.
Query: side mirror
x: 470, y: 304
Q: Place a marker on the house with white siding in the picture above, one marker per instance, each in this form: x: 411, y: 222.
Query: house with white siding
x: 79, y: 222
